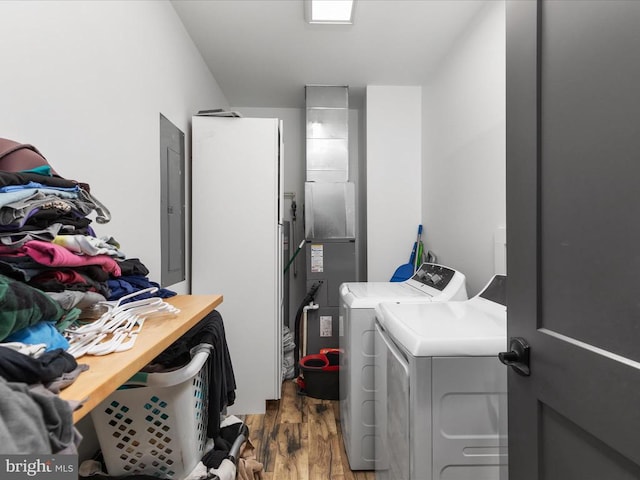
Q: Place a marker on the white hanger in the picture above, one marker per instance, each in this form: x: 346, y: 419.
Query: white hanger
x: 135, y: 294
x: 118, y: 324
x: 132, y: 338
x: 84, y: 343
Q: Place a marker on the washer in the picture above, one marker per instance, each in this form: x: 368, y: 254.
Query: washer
x: 431, y: 283
x: 444, y: 412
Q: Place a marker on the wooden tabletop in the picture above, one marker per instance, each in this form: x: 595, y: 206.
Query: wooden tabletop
x: 106, y: 373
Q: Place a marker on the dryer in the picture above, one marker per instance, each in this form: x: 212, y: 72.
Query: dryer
x: 358, y: 300
x: 444, y: 412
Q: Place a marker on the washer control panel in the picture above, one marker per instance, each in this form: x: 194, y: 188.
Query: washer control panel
x: 434, y: 276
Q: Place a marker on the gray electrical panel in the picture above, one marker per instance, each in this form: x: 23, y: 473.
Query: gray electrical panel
x: 172, y: 203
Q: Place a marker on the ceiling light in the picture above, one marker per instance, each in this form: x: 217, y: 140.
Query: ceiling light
x: 329, y: 11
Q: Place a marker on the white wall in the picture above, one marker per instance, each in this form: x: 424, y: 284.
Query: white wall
x: 394, y: 158
x: 85, y: 82
x: 463, y: 173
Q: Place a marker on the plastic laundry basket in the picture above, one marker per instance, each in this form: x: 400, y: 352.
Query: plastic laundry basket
x: 156, y: 424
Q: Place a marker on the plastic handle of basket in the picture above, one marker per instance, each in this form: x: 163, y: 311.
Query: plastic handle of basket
x: 234, y: 451
x: 190, y: 370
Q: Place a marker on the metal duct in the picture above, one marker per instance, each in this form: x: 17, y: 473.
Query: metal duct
x: 329, y: 196
x: 327, y: 133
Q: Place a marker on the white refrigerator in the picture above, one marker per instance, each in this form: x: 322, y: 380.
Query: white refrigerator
x: 236, y: 245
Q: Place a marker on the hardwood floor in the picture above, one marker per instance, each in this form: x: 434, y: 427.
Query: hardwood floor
x: 299, y: 438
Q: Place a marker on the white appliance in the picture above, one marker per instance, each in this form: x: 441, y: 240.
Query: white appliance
x: 444, y: 413
x: 431, y: 283
x: 237, y: 245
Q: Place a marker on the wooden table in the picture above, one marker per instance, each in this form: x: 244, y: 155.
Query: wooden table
x: 106, y: 373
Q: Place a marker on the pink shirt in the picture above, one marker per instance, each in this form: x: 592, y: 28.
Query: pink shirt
x: 52, y: 255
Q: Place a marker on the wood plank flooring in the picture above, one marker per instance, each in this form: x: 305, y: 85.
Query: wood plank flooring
x: 299, y: 438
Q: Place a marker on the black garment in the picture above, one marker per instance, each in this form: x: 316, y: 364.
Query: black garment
x: 20, y: 268
x: 94, y: 272
x: 23, y: 178
x: 52, y: 285
x: 48, y: 282
x: 18, y: 367
x: 133, y: 266
x: 213, y: 458
x: 222, y: 444
x: 74, y: 220
x: 26, y: 268
x: 222, y: 382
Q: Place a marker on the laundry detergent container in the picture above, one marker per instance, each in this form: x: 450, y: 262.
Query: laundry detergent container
x: 321, y: 374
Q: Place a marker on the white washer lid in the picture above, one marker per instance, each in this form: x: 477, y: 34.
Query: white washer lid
x: 475, y: 327
x: 370, y: 294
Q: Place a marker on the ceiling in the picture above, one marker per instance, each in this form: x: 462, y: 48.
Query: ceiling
x: 262, y: 53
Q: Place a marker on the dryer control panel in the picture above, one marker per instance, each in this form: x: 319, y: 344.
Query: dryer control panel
x: 496, y: 290
x: 434, y: 276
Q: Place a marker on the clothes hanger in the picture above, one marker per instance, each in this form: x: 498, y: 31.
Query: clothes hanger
x: 115, y: 330
x: 128, y: 345
x: 83, y: 344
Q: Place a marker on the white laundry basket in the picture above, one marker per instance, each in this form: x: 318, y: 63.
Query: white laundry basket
x: 156, y: 424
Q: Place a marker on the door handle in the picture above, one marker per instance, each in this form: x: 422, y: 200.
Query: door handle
x: 517, y: 357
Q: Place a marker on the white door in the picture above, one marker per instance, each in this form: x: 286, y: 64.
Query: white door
x: 236, y: 244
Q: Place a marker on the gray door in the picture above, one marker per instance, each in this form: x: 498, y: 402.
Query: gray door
x: 573, y: 215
